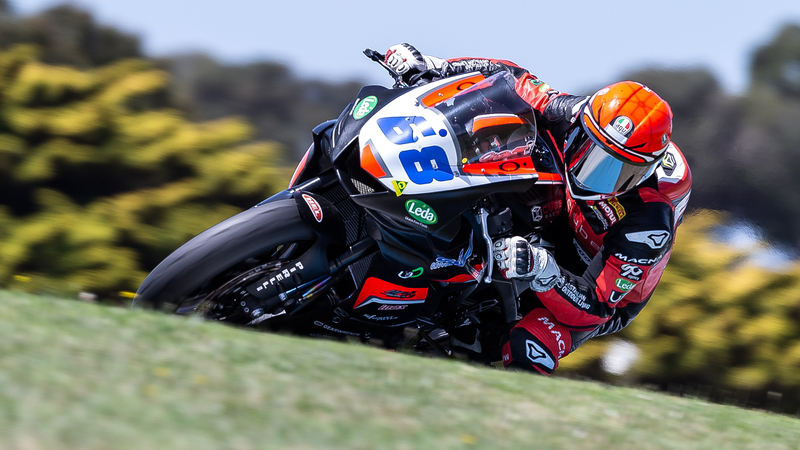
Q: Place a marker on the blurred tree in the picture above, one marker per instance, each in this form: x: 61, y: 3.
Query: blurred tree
x: 704, y: 127
x: 67, y: 35
x: 99, y: 180
x: 717, y: 324
x: 777, y: 64
x: 280, y: 106
x: 742, y: 150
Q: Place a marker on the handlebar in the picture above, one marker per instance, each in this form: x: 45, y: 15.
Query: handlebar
x: 380, y: 58
x: 426, y: 75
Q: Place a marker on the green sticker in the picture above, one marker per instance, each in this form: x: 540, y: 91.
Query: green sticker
x: 421, y: 212
x: 365, y: 107
x: 625, y: 285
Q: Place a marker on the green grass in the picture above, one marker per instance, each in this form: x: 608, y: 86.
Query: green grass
x: 82, y: 376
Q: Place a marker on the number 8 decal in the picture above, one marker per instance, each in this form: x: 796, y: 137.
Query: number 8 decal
x: 424, y: 166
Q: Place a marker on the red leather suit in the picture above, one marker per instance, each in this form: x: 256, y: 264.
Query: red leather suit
x: 611, y: 253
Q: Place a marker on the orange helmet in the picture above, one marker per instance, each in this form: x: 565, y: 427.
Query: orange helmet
x: 620, y: 136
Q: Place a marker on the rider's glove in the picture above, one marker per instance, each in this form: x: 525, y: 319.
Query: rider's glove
x: 405, y: 60
x: 518, y: 259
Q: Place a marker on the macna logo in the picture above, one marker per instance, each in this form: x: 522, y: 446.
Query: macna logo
x: 538, y: 355
x: 421, y: 212
x: 365, y: 107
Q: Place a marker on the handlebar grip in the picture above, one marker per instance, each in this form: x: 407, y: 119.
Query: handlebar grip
x: 380, y: 58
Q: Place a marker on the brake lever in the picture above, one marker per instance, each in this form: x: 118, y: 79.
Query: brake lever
x: 380, y: 58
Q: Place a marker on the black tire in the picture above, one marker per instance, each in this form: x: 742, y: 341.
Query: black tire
x: 220, y: 248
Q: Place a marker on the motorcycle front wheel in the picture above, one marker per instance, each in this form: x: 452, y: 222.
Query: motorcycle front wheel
x: 206, y: 274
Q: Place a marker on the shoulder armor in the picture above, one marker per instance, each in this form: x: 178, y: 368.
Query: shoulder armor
x: 675, y: 180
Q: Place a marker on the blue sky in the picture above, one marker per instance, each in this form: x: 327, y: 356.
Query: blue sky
x: 575, y: 45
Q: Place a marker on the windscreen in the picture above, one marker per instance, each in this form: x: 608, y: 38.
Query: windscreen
x: 494, y: 127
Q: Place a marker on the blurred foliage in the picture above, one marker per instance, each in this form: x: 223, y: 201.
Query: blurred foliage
x: 280, y: 106
x: 67, y: 35
x: 777, y: 64
x: 743, y: 150
x: 99, y: 180
x: 716, y: 323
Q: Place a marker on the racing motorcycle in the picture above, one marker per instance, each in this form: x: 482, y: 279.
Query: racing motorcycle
x: 387, y: 224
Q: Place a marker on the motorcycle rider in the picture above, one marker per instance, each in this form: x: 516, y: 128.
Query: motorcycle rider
x: 627, y: 188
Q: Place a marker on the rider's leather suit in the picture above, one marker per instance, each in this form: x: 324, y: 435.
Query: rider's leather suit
x: 611, y: 253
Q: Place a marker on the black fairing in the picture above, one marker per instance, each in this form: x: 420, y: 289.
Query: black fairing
x: 448, y: 204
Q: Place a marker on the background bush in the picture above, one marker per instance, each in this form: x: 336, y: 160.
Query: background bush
x: 717, y: 326
x: 100, y: 180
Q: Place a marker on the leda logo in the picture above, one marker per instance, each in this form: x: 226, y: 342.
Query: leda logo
x: 365, y: 107
x: 421, y: 212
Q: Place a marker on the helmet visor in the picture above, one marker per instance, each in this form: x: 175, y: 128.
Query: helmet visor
x: 598, y: 171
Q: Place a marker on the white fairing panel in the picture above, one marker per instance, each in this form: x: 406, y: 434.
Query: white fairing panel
x: 417, y: 147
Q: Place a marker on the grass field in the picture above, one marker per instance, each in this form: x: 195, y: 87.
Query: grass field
x: 82, y: 376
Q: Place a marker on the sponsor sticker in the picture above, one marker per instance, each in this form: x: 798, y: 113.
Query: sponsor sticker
x: 546, y: 211
x: 463, y: 255
x: 406, y: 274
x: 364, y: 107
x: 392, y: 307
x: 654, y: 239
x: 280, y: 276
x: 631, y: 272
x: 668, y: 163
x: 616, y: 296
x: 421, y: 212
x: 397, y: 293
x: 609, y: 212
x: 624, y: 285
x: 572, y: 293
x: 620, y: 129
x: 538, y: 355
x: 562, y: 347
x: 313, y: 205
x: 399, y: 187
x: 618, y: 208
x: 536, y: 213
x: 623, y: 125
x: 335, y: 330
x: 382, y: 292
x: 643, y: 261
x: 379, y: 318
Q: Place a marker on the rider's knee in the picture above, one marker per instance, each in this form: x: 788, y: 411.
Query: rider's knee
x: 537, y: 343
